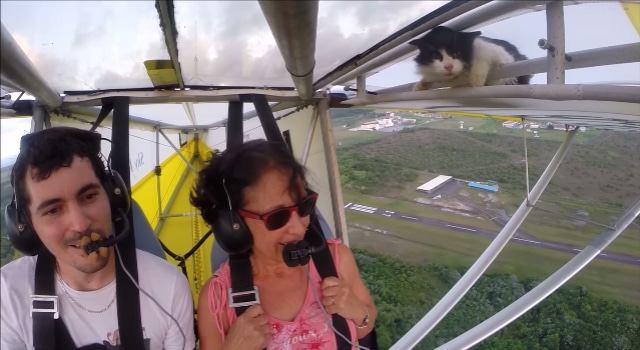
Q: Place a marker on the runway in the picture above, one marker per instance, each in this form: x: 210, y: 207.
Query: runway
x: 557, y: 246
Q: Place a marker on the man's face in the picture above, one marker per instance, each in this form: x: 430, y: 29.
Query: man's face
x: 69, y: 204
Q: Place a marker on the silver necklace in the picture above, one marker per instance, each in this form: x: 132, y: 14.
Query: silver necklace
x: 64, y: 289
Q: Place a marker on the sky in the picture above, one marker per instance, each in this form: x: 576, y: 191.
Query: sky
x: 76, y: 45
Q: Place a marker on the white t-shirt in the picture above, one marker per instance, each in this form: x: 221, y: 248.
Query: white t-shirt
x: 159, y: 278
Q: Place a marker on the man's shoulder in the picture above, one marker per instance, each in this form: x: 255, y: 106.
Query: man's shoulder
x: 17, y: 276
x: 19, y: 267
x: 147, y: 260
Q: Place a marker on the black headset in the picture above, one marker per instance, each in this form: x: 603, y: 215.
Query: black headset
x: 20, y: 231
x: 229, y: 228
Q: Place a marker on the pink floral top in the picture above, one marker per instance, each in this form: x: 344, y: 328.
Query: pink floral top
x: 308, y: 330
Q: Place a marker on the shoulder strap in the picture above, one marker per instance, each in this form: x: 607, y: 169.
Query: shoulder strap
x: 242, y: 293
x: 323, y: 262
x: 326, y: 268
x: 127, y: 293
x: 65, y: 341
x: 50, y: 333
x: 43, y: 322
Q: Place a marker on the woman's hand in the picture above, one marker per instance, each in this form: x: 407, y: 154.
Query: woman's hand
x: 250, y: 331
x: 338, y: 298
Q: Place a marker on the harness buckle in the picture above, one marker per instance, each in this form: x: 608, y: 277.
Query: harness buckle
x: 44, y: 298
x: 232, y: 295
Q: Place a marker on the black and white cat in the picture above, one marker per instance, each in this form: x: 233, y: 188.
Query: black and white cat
x: 449, y: 58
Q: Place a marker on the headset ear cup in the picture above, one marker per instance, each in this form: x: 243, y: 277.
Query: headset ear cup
x: 231, y: 232
x: 118, y: 193
x: 20, y: 232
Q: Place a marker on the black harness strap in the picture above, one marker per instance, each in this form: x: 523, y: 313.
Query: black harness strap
x: 326, y: 268
x: 127, y: 294
x: 66, y: 342
x: 243, y: 293
x: 323, y: 262
x: 43, y: 322
x: 50, y: 333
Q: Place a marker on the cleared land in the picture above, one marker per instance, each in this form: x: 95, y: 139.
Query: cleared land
x: 597, y: 180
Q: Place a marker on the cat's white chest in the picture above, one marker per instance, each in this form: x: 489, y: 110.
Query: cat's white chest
x: 487, y: 57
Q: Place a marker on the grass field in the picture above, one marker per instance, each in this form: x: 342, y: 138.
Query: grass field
x: 494, y: 126
x: 595, y: 183
x: 415, y: 244
x: 599, y: 169
x: 547, y: 223
x: 345, y: 138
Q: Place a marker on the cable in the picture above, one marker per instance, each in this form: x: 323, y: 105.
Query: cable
x: 526, y: 158
x: 324, y: 312
x: 184, y: 338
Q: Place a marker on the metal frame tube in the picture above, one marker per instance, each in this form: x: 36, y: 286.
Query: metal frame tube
x: 442, y: 308
x: 555, y: 92
x: 361, y: 85
x: 90, y: 98
x: 158, y: 187
x: 294, y: 26
x: 555, y: 37
x: 18, y: 69
x: 178, y: 152
x: 191, y: 113
x: 39, y: 116
x: 334, y: 171
x: 163, y: 215
x: 168, y: 24
x: 275, y: 107
x: 309, y: 140
x: 545, y: 288
x: 93, y: 112
x: 602, y: 56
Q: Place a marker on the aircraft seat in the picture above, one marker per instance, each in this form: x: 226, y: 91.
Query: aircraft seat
x: 145, y: 237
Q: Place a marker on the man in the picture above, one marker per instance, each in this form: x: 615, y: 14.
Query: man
x: 65, y: 200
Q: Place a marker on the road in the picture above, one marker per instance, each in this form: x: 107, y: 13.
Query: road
x: 557, y: 246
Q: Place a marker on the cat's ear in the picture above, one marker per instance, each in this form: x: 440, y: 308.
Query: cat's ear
x: 415, y: 42
x: 476, y: 33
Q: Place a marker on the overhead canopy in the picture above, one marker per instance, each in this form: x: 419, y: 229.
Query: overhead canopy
x: 88, y: 47
x: 98, y: 45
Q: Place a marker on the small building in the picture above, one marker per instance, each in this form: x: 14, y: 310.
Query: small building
x: 484, y: 187
x: 434, y: 184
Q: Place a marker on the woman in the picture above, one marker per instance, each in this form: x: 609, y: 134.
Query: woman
x: 263, y: 183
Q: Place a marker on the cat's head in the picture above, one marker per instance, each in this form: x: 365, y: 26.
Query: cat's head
x: 444, y: 53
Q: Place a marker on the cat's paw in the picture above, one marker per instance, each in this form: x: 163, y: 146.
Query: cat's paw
x: 477, y: 80
x: 422, y: 85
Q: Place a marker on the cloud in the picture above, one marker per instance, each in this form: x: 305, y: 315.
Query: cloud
x: 102, y: 45
x: 81, y: 46
x: 12, y: 131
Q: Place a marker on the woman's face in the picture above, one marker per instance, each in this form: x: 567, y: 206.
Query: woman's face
x: 269, y: 193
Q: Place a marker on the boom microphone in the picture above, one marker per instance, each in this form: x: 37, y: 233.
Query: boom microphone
x: 99, y: 245
x: 299, y: 253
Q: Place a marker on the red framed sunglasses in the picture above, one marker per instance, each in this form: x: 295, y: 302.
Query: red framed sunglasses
x: 276, y: 219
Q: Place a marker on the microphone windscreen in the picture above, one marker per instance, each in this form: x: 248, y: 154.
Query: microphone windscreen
x: 94, y: 239
x: 296, y: 254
